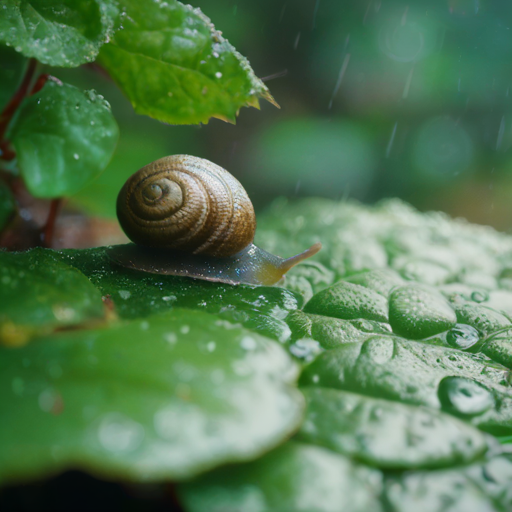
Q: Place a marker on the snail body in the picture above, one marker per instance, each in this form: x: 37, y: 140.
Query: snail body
x: 190, y: 217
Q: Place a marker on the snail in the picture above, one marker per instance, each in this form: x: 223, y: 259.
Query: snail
x: 189, y: 217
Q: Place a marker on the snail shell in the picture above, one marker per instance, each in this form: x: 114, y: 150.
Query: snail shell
x: 187, y: 203
x: 189, y: 217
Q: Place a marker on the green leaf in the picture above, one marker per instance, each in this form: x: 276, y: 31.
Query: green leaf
x: 39, y: 293
x: 417, y: 312
x: 432, y: 491
x: 417, y: 373
x: 174, y: 66
x: 7, y: 205
x: 296, y: 477
x: 331, y: 332
x: 484, y: 319
x: 63, y: 33
x: 349, y: 301
x: 64, y: 137
x: 164, y: 398
x: 11, y: 72
x: 388, y: 434
x: 139, y: 294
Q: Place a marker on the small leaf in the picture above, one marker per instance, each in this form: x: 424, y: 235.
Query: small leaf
x: 64, y: 137
x: 63, y: 33
x: 174, y: 66
x: 164, y: 398
x: 295, y: 477
x: 39, y: 293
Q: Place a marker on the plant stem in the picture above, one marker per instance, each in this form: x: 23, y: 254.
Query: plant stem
x: 49, y: 227
x: 39, y: 84
x: 17, y: 98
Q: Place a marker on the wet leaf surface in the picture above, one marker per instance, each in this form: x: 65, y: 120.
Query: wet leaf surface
x: 296, y: 476
x: 400, y: 412
x: 139, y: 294
x: 175, y: 66
x: 64, y: 137
x: 388, y: 434
x: 60, y: 33
x: 144, y: 400
x: 39, y: 293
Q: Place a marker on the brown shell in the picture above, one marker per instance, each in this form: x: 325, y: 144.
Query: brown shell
x: 187, y: 203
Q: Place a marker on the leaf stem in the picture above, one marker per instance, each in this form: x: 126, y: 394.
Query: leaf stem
x: 48, y: 229
x: 17, y: 98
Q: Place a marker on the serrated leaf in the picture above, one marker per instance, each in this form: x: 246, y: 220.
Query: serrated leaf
x: 164, y: 398
x: 63, y: 33
x: 64, y: 138
x: 176, y: 67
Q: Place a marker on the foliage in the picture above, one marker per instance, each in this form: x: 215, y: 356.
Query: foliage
x: 394, y: 416
x: 167, y: 57
x: 376, y: 377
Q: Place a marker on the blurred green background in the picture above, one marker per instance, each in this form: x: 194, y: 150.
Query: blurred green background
x: 378, y: 99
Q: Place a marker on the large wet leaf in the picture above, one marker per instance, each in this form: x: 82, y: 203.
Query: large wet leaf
x: 464, y: 384
x: 388, y: 434
x: 175, y: 66
x: 139, y: 294
x: 39, y: 293
x: 409, y: 402
x: 64, y: 138
x: 59, y: 32
x: 297, y: 477
x: 163, y: 398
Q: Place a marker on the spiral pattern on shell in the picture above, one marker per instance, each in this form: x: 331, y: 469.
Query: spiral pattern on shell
x: 187, y: 203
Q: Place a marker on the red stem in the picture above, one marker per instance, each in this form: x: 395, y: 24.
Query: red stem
x: 39, y: 84
x: 17, y: 98
x: 49, y: 228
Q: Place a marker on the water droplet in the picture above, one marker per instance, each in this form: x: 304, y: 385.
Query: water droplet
x: 118, y: 433
x: 76, y: 156
x: 306, y: 349
x: 462, y: 336
x: 184, y: 329
x: 218, y: 74
x: 124, y: 294
x: 464, y: 396
x: 171, y: 338
x: 479, y: 297
x: 248, y: 343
